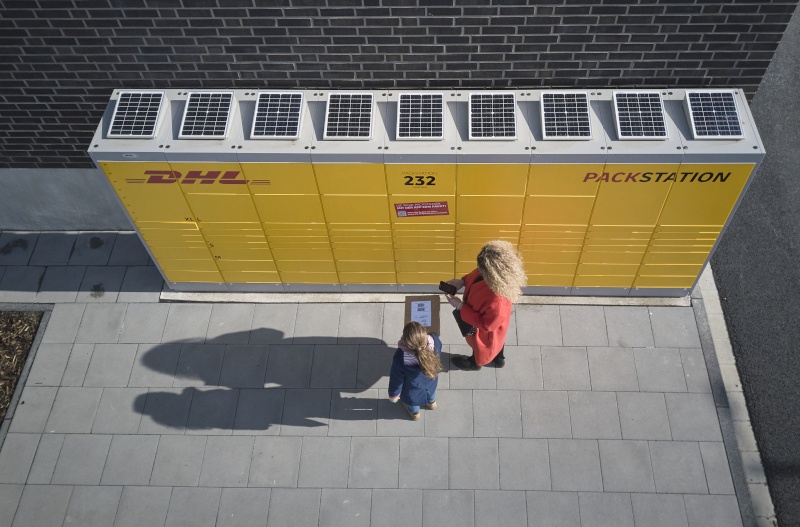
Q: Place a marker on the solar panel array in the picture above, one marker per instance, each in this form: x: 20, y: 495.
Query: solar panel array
x: 492, y: 116
x: 714, y: 114
x: 640, y: 115
x: 420, y: 116
x: 348, y: 116
x: 207, y: 115
x: 565, y: 115
x: 278, y: 115
x: 136, y: 114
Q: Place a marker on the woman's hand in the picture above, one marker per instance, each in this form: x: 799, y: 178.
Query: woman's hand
x: 454, y: 301
x: 459, y: 283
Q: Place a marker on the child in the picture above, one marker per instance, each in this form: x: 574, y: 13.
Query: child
x: 415, y: 369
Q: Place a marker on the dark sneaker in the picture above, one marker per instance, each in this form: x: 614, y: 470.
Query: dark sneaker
x: 464, y: 363
x: 499, y: 361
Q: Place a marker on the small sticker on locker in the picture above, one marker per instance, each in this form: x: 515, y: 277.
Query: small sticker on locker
x: 430, y: 208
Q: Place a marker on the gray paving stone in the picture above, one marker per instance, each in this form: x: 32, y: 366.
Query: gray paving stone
x: 101, y: 284
x: 393, y: 315
x: 393, y: 420
x: 144, y: 323
x: 306, y: 412
x: 524, y: 464
x: 556, y: 509
x: 130, y: 460
x: 178, y: 461
x: 187, y: 323
x: 101, y: 324
x: 81, y: 459
x: 317, y: 324
x: 273, y: 323
x: 193, y: 507
x: 289, y: 366
x: 298, y: 507
x: 361, y: 323
x: 230, y: 323
x: 497, y: 413
x: 324, y: 462
x: 212, y: 411
x: 353, y: 413
x: 523, y: 369
x: 142, y: 283
x: 718, y: 472
x: 334, y: 366
x: 259, y: 412
x: 483, y: 379
x: 483, y: 469
x: 629, y: 327
x: 452, y: 418
x: 374, y: 462
x: 658, y: 510
x: 16, y: 457
x: 693, y: 417
x: 374, y: 362
x: 626, y: 466
x: 42, y: 505
x: 498, y: 507
x: 111, y: 365
x: 594, y: 415
x: 60, y: 284
x: 448, y: 508
x: 73, y: 410
x: 612, y: 369
x: 423, y: 463
x: 511, y: 336
x: 349, y: 507
x: 565, y: 369
x: 77, y: 365
x: 243, y: 507
x: 276, y: 462
x: 92, y: 248
x: 659, y: 370
x: 92, y: 506
x: 643, y: 416
x: 44, y: 463
x: 49, y: 365
x: 674, y: 327
x: 9, y: 500
x: 605, y: 509
x: 227, y: 461
x: 575, y: 464
x: 583, y: 325
x: 20, y: 284
x: 16, y: 248
x: 393, y: 327
x: 396, y: 508
x: 116, y: 413
x: 694, y: 369
x: 33, y: 409
x: 52, y: 248
x: 164, y: 410
x: 64, y: 323
x: 141, y: 506
x: 545, y: 414
x: 712, y: 511
x: 2, y: 272
x: 155, y: 365
x: 678, y: 467
x: 538, y: 325
x: 199, y: 365
x: 128, y: 250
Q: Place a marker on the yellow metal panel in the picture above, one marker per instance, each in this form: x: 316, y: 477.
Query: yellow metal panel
x: 280, y: 178
x: 288, y: 209
x: 603, y: 281
x: 339, y: 240
x: 676, y: 258
x: 550, y: 256
x: 443, y: 244
x: 490, y: 209
x: 186, y: 275
x: 223, y: 207
x: 628, y: 231
x: 623, y: 199
x: 702, y: 229
x: 230, y: 253
x: 188, y: 265
x: 183, y: 253
x: 345, y: 266
x: 380, y: 255
x: 367, y: 278
x: 422, y: 254
x: 566, y: 229
x: 563, y: 180
x: 160, y: 202
x: 306, y: 242
x: 293, y: 266
x: 232, y: 228
x: 294, y: 230
x: 565, y: 269
x: 251, y: 277
x: 486, y: 180
x: 356, y: 209
x: 189, y: 226
x: 360, y: 229
x: 431, y: 278
x: 681, y: 245
x: 665, y: 282
x: 489, y: 231
x: 421, y: 180
x: 612, y: 257
x: 247, y: 265
x: 212, y: 178
x: 607, y: 269
x: 671, y: 270
x: 425, y: 267
x: 350, y: 178
x: 292, y: 277
x: 549, y: 210
x: 550, y: 280
x: 416, y: 229
x: 311, y: 253
x: 703, y: 236
x: 231, y: 242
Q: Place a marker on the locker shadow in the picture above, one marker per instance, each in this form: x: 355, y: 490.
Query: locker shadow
x: 297, y: 382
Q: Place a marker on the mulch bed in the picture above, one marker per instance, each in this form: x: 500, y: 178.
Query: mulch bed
x: 17, y: 331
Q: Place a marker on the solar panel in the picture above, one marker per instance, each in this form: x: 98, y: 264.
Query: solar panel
x: 420, y: 116
x: 348, y: 116
x: 207, y: 115
x: 640, y: 115
x: 492, y: 115
x: 713, y: 114
x: 565, y: 115
x: 137, y: 114
x: 277, y: 115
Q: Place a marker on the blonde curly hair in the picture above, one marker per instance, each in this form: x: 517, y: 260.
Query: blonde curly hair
x: 501, y: 267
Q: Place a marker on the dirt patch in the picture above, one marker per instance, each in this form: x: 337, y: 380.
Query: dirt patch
x: 17, y: 331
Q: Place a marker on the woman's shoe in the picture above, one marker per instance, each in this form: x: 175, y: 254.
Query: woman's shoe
x: 499, y: 361
x: 464, y: 363
x: 431, y: 405
x: 414, y: 416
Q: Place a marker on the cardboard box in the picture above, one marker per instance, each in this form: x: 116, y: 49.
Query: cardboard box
x: 425, y: 310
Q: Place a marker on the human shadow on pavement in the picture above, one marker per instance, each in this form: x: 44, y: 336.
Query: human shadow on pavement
x: 301, y: 382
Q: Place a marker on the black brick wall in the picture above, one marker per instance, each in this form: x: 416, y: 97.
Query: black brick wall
x: 60, y: 59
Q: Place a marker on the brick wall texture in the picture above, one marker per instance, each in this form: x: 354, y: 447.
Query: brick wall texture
x: 60, y: 59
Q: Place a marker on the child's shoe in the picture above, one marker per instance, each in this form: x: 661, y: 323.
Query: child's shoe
x: 431, y: 406
x: 414, y: 416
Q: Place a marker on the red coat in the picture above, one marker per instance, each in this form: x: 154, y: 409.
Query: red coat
x: 488, y: 312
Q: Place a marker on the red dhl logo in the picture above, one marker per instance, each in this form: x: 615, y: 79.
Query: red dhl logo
x: 230, y: 177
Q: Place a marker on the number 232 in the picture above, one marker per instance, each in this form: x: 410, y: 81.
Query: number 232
x: 420, y: 180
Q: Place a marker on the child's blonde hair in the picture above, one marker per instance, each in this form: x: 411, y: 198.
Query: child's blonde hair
x: 415, y: 338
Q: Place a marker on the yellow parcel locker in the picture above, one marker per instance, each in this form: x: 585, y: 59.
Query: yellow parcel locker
x: 223, y: 207
x: 280, y: 178
x: 210, y: 178
x: 285, y: 209
x: 625, y: 199
x: 563, y: 179
x: 490, y: 209
x: 557, y: 210
x: 492, y: 179
x: 251, y: 277
x: 418, y: 180
x: 149, y: 191
x: 346, y: 178
x: 355, y: 209
x: 423, y: 213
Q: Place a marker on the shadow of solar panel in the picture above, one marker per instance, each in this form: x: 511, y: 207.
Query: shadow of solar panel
x: 207, y: 115
x: 136, y: 114
x: 565, y: 116
x: 640, y: 115
x: 348, y: 116
x: 277, y: 115
x: 714, y: 115
x: 420, y: 116
x: 492, y: 116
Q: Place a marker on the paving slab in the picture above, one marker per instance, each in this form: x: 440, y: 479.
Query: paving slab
x: 660, y: 370
x: 628, y: 326
x: 164, y: 410
x: 196, y: 507
x: 575, y: 464
x: 289, y: 366
x: 82, y: 459
x: 44, y: 464
x: 110, y: 365
x: 273, y: 323
x: 374, y: 462
x: 452, y: 418
x: 474, y: 463
x: 524, y: 464
x: 353, y: 413
x: 230, y: 323
x: 626, y: 466
x: 187, y: 323
x: 199, y: 365
x: 243, y: 507
x: 324, y: 462
x: 594, y: 415
x: 293, y: 507
x: 91, y: 506
x: 678, y: 467
x: 49, y: 369
x: 306, y: 412
x: 92, y: 248
x: 178, y: 461
x: 659, y: 510
x: 583, y: 326
x: 545, y: 414
x: 605, y: 509
x: 42, y: 505
x: 674, y: 327
x: 538, y: 325
x: 144, y: 323
x: 423, y: 463
x: 448, y: 508
x: 523, y: 369
x: 712, y: 511
x: 496, y: 413
x: 565, y: 368
x: 554, y: 508
x: 227, y: 461
x: 500, y: 507
x: 16, y: 248
x: 116, y: 412
x: 101, y: 284
x: 317, y: 324
x: 143, y: 506
x: 64, y: 323
x: 259, y: 412
x: 276, y: 462
x: 334, y: 366
x: 142, y: 283
x: 155, y: 365
x: 60, y: 284
x: 16, y: 457
x: 396, y: 507
x: 128, y: 250
x: 20, y: 283
x: 643, y: 416
x: 693, y: 417
x: 130, y: 460
x: 101, y: 324
x: 74, y: 410
x: 361, y: 324
x: 78, y: 364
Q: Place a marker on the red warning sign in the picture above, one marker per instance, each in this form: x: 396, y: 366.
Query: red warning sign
x: 430, y: 208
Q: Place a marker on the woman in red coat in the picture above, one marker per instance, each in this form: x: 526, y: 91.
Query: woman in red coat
x: 489, y: 292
